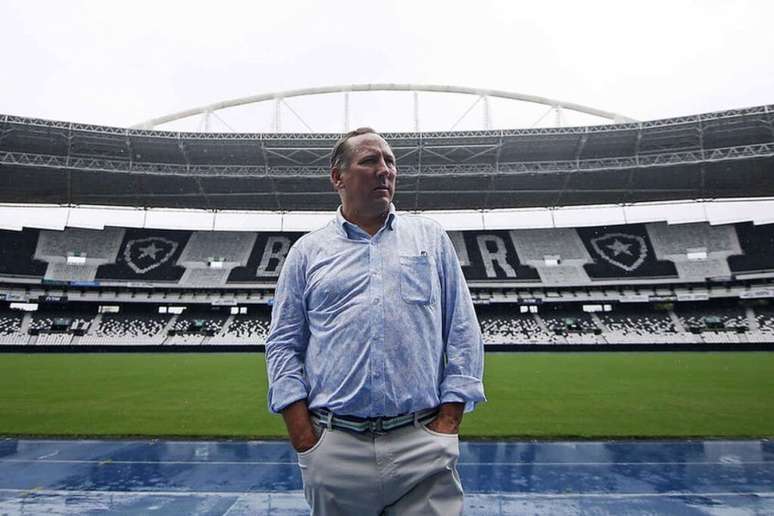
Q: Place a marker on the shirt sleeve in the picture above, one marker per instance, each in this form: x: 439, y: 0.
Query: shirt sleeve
x: 288, y: 336
x: 464, y: 368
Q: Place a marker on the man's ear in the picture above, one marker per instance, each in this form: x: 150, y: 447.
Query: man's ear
x: 338, y: 184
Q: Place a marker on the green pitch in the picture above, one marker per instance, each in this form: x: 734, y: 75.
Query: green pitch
x: 535, y: 395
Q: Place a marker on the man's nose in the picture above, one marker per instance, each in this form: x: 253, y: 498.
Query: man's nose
x: 384, y: 169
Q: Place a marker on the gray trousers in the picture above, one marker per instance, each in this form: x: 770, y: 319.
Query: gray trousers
x: 408, y: 471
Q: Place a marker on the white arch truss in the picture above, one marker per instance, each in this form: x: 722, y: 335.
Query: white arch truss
x: 483, y: 95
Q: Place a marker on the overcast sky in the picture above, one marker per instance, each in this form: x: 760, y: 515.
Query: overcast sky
x: 119, y: 63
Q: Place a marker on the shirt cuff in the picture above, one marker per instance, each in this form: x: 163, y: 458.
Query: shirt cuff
x: 459, y: 388
x: 285, y: 391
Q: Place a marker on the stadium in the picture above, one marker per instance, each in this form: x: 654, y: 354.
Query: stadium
x: 143, y: 261
x: 635, y: 233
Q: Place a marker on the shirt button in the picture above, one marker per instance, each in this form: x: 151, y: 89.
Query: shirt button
x: 376, y: 301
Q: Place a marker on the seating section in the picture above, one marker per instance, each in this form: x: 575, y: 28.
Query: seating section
x: 764, y: 316
x: 127, y: 329
x: 507, y: 326
x: 96, y: 247
x: 564, y: 257
x: 712, y: 245
x: 697, y: 318
x: 10, y: 322
x: 571, y: 327
x: 636, y: 325
x: 59, y: 322
x: 230, y: 246
x: 501, y: 323
x: 195, y: 327
x: 245, y: 329
x: 11, y: 327
x: 566, y: 322
x: 534, y: 245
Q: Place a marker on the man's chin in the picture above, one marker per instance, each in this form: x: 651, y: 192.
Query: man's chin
x: 382, y: 196
x: 381, y: 204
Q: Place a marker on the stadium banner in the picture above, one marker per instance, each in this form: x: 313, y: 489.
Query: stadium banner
x: 757, y: 243
x: 637, y: 298
x: 223, y: 302
x: 666, y: 298
x: 491, y: 255
x: 757, y: 294
x: 149, y: 258
x: 693, y: 296
x: 52, y: 299
x: 17, y: 249
x: 622, y: 252
x: 147, y: 255
x: 84, y: 283
x: 266, y: 259
x: 54, y: 283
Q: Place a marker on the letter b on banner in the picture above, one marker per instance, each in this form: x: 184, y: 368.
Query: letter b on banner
x: 274, y: 253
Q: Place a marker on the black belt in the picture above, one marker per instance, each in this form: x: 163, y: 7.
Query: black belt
x: 328, y: 419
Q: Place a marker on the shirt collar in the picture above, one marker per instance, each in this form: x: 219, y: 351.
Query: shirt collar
x: 342, y: 224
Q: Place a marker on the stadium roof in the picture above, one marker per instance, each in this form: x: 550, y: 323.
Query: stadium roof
x: 726, y: 211
x: 727, y: 154
x: 481, y: 96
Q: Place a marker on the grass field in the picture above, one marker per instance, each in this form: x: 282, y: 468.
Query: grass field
x: 535, y: 395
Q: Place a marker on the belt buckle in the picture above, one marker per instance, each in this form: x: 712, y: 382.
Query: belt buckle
x: 375, y: 425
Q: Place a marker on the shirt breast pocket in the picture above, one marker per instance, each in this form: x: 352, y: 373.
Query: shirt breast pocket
x: 416, y: 279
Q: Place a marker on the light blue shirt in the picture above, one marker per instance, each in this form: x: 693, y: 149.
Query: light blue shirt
x: 374, y: 326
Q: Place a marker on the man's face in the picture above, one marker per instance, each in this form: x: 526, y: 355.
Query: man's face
x: 366, y: 182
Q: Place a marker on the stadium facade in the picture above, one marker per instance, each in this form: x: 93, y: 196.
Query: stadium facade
x: 674, y: 211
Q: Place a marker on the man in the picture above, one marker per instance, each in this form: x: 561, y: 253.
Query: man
x: 374, y: 351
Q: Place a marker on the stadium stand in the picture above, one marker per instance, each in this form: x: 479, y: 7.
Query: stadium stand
x: 229, y: 247
x: 689, y: 282
x: 561, y: 257
x: 571, y: 326
x: 714, y: 322
x: 58, y: 327
x: 699, y: 318
x: 244, y: 329
x: 129, y: 328
x: 557, y: 254
x: 503, y: 324
x: 699, y: 251
x: 639, y: 325
x: 623, y: 252
x: 266, y: 258
x: 17, y: 249
x: 195, y: 327
x: 147, y: 255
x: 11, y: 331
x: 90, y: 248
x: 757, y: 243
x: 763, y: 321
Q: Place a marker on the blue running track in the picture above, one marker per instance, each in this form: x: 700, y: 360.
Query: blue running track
x: 262, y: 477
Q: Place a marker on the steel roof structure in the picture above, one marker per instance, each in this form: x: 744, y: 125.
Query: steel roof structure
x: 727, y: 154
x: 482, y: 95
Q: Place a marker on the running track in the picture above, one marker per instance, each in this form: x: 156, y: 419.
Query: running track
x: 262, y: 477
